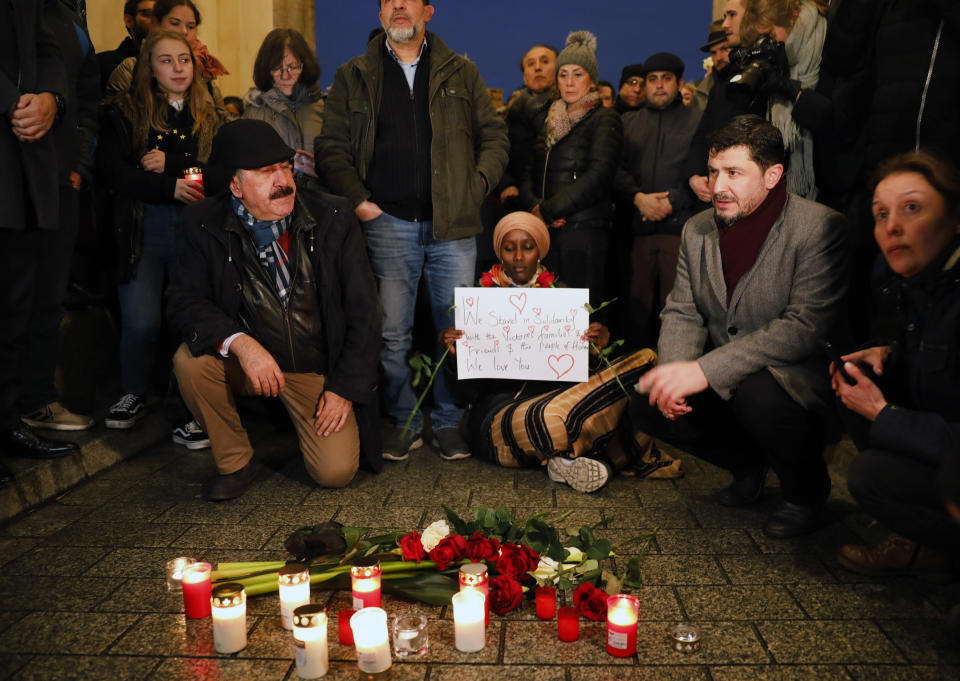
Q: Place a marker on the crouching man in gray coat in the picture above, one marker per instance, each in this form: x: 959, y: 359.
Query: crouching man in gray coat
x: 742, y: 380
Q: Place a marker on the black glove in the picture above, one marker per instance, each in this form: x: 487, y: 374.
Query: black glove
x: 777, y: 81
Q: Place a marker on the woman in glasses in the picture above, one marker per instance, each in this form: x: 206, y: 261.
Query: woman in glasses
x: 287, y: 96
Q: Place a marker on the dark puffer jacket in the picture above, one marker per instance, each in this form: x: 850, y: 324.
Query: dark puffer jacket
x: 574, y: 179
x: 916, y: 40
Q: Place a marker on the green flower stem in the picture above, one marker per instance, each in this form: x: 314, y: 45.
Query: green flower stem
x: 250, y: 565
x: 610, y: 366
x: 266, y: 582
x: 433, y: 375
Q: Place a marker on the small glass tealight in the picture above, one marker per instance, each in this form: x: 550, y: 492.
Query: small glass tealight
x: 175, y: 572
x: 685, y: 638
x: 410, y: 635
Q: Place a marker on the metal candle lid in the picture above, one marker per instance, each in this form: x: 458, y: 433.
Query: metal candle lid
x: 473, y: 574
x: 365, y: 567
x: 228, y: 595
x: 293, y: 574
x: 685, y: 638
x: 311, y: 615
x: 192, y: 171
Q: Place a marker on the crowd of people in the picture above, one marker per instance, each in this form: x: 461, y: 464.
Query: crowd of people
x: 284, y: 238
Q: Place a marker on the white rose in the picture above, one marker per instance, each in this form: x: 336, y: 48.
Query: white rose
x: 574, y: 555
x: 433, y: 534
x: 546, y: 569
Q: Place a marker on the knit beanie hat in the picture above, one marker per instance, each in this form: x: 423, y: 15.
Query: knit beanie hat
x: 581, y: 50
x: 629, y: 71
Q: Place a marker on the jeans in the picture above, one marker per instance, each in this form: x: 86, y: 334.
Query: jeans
x: 400, y: 252
x: 141, y: 297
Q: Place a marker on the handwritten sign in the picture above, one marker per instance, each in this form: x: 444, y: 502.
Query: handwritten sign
x: 523, y: 334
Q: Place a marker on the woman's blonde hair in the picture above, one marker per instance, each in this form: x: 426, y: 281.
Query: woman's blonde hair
x: 146, y: 105
x: 760, y: 16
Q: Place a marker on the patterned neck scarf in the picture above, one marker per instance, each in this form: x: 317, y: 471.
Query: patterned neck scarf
x: 562, y: 117
x: 265, y: 235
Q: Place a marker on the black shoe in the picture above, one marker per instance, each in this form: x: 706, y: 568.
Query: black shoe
x: 23, y: 441
x: 232, y: 485
x: 792, y: 520
x: 744, y: 491
x: 6, y: 475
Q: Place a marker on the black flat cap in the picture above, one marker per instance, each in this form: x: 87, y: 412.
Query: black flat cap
x: 248, y: 144
x: 663, y: 61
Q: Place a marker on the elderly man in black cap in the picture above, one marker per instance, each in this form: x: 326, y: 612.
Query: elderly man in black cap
x: 656, y: 139
x: 274, y: 296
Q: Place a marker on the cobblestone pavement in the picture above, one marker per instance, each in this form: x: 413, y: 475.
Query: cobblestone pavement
x: 82, y: 592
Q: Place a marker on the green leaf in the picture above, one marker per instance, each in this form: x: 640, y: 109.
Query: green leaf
x: 587, y: 538
x: 611, y: 583
x: 538, y: 535
x: 599, y: 549
x: 555, y: 551
x: 459, y: 524
x: 587, y: 566
x: 433, y: 588
x: 593, y: 310
x: 634, y: 576
x: 564, y: 584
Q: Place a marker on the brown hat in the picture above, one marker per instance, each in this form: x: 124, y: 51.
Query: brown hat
x: 717, y: 35
x: 527, y: 222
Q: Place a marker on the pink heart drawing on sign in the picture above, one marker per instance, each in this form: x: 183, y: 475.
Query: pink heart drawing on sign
x: 464, y: 343
x: 506, y: 331
x: 537, y: 310
x: 519, y: 301
x: 546, y: 327
x: 531, y: 329
x: 496, y: 344
x: 470, y: 302
x: 561, y: 364
x: 567, y: 328
x: 573, y: 311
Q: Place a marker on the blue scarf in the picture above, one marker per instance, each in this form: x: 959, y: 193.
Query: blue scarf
x: 271, y: 255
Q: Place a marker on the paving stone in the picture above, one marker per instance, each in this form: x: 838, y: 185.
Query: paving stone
x: 86, y: 668
x: 53, y: 594
x: 130, y: 512
x: 43, y: 522
x: 82, y: 633
x: 701, y: 541
x: 479, y: 672
x: 13, y: 548
x: 201, y: 512
x: 858, y: 601
x: 134, y: 562
x: 357, y: 516
x: 166, y: 635
x: 738, y: 602
x: 923, y: 641
x: 289, y: 514
x: 770, y: 673
x: 846, y: 642
x: 218, y: 669
x: 674, y: 516
x: 49, y: 561
x: 9, y: 664
x: 775, y: 569
x: 681, y: 570
x: 620, y: 493
x: 225, y: 537
x: 143, y: 596
x: 711, y: 514
x: 8, y: 618
x: 824, y: 542
x: 721, y: 643
x: 118, y: 534
x: 658, y: 493
x: 339, y: 497
x: 542, y: 499
x: 536, y: 642
x: 577, y: 517
x: 93, y: 492
x: 641, y: 673
x: 903, y: 673
x: 266, y: 638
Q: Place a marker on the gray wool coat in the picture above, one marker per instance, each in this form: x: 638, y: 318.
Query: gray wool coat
x: 780, y: 312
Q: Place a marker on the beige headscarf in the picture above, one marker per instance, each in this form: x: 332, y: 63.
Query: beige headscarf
x: 529, y: 223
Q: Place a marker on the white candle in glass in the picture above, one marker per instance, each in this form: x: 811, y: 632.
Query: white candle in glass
x: 370, y: 636
x: 229, y: 610
x: 294, y: 589
x: 468, y: 621
x: 310, y: 641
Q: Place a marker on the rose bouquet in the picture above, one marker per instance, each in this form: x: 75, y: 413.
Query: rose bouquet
x: 424, y: 566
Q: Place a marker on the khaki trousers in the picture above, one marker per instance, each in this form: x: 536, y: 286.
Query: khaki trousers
x: 209, y: 385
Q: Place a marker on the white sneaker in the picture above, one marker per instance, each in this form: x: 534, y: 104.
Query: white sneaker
x: 582, y: 474
x: 191, y: 435
x: 126, y: 412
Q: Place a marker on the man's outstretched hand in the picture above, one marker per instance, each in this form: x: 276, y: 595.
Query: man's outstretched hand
x: 259, y: 365
x: 332, y: 413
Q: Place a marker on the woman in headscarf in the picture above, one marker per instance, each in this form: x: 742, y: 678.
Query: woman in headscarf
x: 574, y: 429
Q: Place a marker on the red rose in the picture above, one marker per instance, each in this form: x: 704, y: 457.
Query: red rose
x: 516, y: 560
x: 450, y: 549
x: 591, y: 601
x: 480, y: 548
x: 412, y: 546
x: 505, y: 594
x: 487, y: 280
x: 546, y: 279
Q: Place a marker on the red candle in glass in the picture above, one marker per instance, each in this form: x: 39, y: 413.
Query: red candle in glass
x: 365, y: 580
x: 344, y: 632
x: 622, y: 614
x: 194, y: 175
x: 546, y: 602
x: 474, y: 576
x: 197, y: 590
x: 568, y: 623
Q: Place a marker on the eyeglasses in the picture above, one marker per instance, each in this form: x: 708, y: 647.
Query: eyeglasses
x: 280, y: 70
x: 634, y: 82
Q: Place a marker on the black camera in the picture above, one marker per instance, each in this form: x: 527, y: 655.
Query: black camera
x: 765, y: 57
